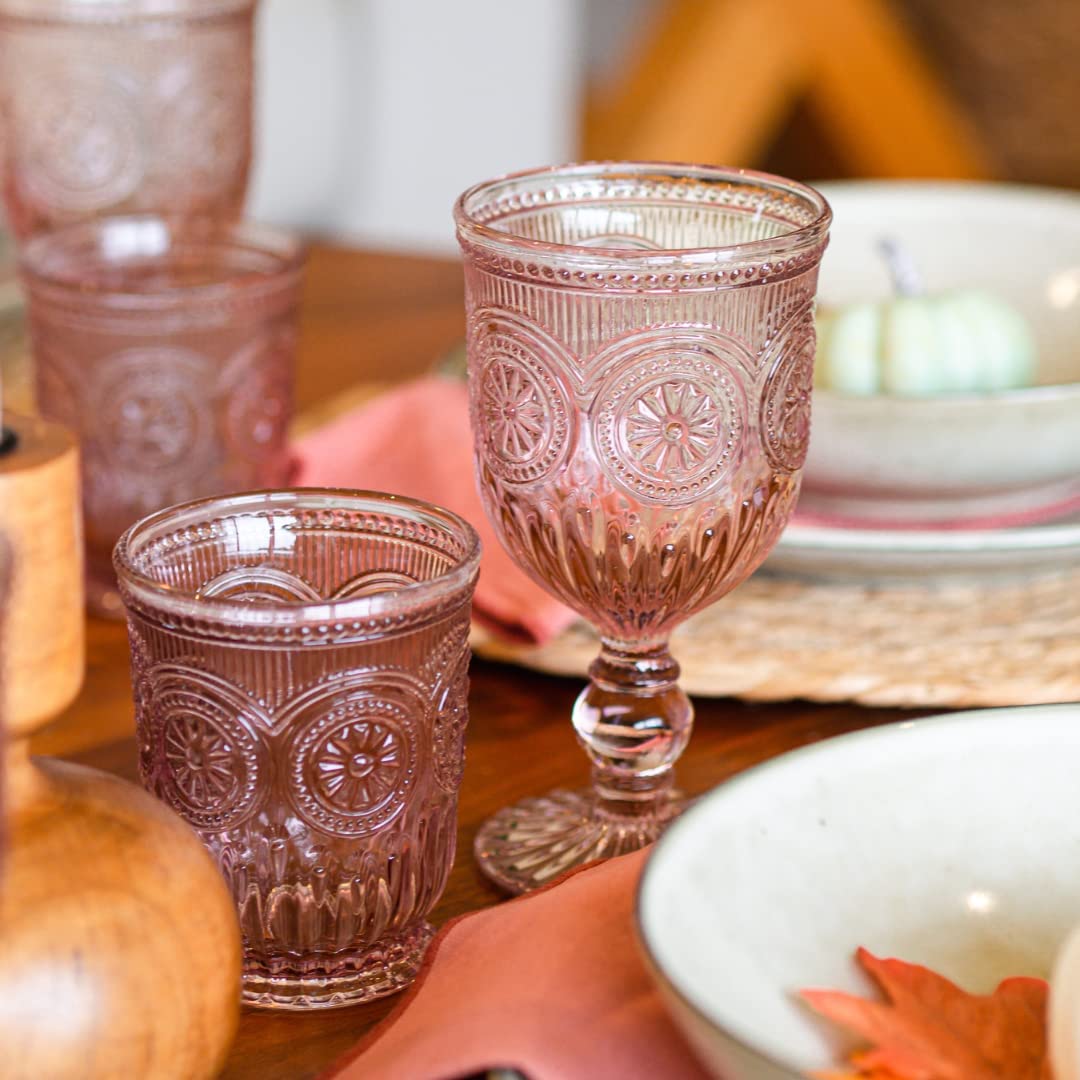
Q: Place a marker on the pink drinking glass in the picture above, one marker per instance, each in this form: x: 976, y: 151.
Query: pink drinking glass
x: 641, y: 349
x: 169, y: 349
x: 121, y: 106
x: 300, y: 666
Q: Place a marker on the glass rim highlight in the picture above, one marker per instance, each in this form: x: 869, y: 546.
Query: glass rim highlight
x: 332, y: 615
x: 473, y: 228
x: 274, y: 257
x: 106, y: 12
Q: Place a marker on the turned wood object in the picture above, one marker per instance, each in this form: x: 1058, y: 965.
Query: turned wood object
x: 119, y: 947
x: 39, y: 517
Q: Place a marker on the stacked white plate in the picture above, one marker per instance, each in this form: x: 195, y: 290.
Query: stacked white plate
x: 964, y: 484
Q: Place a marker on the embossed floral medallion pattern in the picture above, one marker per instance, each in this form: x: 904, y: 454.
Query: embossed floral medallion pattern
x: 143, y: 692
x: 786, y: 400
x: 211, y: 758
x: 514, y: 406
x: 447, y: 670
x: 522, y: 411
x: 204, y: 114
x: 672, y: 429
x: 668, y: 426
x: 201, y: 758
x: 360, y: 764
x: 258, y: 388
x: 451, y: 719
x: 151, y: 401
x: 355, y: 756
x: 350, y: 753
x: 81, y: 143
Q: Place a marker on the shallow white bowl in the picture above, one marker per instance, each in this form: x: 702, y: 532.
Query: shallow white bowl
x: 952, y: 841
x: 968, y: 455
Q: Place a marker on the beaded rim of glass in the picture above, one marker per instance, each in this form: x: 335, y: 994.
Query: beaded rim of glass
x: 801, y: 214
x: 303, y: 622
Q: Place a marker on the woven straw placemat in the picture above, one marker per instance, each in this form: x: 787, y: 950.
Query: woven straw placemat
x: 949, y: 645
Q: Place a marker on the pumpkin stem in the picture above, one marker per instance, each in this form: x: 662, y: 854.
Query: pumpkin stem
x: 906, y: 279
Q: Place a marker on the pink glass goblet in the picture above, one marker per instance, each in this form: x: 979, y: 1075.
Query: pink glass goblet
x: 300, y: 666
x: 124, y: 106
x: 641, y: 350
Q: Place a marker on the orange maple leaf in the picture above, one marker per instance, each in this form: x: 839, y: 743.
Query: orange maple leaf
x: 930, y: 1029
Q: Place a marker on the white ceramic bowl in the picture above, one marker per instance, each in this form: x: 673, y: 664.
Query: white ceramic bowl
x: 969, y: 456
x: 952, y: 841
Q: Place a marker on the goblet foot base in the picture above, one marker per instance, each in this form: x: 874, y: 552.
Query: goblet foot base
x: 532, y: 842
x: 385, y: 968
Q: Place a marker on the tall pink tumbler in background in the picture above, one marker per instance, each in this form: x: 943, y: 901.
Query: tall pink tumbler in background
x: 122, y: 106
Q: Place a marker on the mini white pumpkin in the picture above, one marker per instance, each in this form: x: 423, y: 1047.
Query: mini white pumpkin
x: 919, y: 345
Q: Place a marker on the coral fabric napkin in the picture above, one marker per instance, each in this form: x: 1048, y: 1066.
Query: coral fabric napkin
x: 551, y: 984
x: 415, y: 440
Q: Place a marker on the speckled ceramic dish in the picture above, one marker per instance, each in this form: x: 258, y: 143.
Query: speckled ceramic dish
x: 964, y: 457
x: 950, y: 841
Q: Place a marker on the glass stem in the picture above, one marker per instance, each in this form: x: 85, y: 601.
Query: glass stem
x: 634, y: 721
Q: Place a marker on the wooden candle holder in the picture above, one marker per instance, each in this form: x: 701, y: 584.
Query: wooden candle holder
x: 119, y: 945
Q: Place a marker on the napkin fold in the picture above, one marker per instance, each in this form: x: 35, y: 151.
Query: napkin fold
x: 551, y: 984
x: 415, y: 440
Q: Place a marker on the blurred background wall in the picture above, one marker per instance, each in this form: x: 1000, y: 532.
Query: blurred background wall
x: 374, y: 114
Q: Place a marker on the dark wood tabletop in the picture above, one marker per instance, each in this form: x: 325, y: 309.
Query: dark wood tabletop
x: 377, y: 318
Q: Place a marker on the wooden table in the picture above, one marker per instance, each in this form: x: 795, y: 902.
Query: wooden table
x: 379, y: 317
